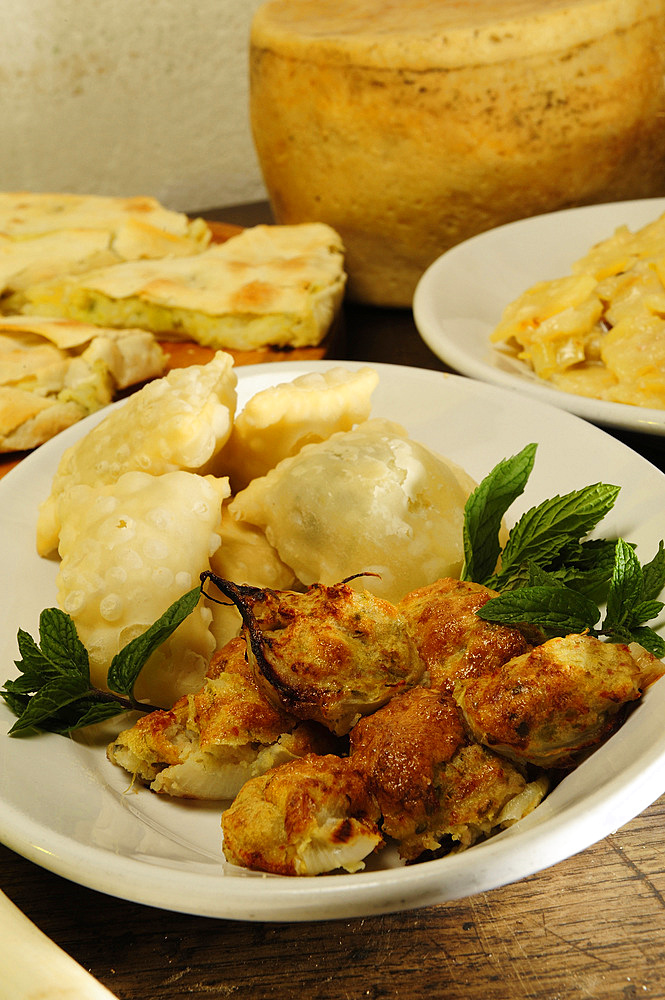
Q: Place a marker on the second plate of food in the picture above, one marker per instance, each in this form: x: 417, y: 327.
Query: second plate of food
x: 461, y: 298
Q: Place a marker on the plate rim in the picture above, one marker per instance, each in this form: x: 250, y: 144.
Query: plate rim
x: 431, y: 326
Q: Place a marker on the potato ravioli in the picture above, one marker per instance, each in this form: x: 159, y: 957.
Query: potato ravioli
x: 161, y: 488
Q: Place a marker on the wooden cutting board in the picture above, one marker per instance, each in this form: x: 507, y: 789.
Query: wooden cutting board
x: 180, y: 354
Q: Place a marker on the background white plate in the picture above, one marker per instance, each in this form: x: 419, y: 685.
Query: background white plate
x: 65, y: 807
x: 461, y: 296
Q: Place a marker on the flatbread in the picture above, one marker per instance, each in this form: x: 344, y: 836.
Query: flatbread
x: 268, y: 286
x: 54, y: 372
x: 43, y: 236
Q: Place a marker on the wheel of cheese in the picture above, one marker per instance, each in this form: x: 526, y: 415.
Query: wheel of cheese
x: 410, y: 126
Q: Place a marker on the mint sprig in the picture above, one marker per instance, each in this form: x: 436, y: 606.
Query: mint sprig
x: 546, y: 532
x: 550, y: 535
x: 549, y: 574
x: 485, y: 509
x: 556, y: 610
x: 632, y: 598
x: 54, y: 692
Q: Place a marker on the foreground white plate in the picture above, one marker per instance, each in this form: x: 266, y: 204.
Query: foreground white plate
x: 460, y: 299
x: 65, y: 807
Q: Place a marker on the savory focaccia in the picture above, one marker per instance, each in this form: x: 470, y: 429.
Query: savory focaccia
x: 267, y: 286
x: 54, y: 372
x: 44, y: 236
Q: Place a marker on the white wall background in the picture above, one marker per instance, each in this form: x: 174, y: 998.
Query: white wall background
x: 128, y: 97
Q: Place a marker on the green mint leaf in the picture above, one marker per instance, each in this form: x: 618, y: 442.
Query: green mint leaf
x: 544, y: 531
x: 539, y: 577
x: 484, y: 511
x: 649, y: 639
x: 52, y: 697
x: 626, y: 589
x: 60, y: 643
x: 17, y: 702
x: 654, y: 574
x: 80, y: 714
x: 645, y: 611
x: 53, y: 691
x: 557, y: 610
x: 586, y: 566
x: 128, y: 663
x: 61, y: 652
x: 35, y: 666
x: 21, y: 686
x: 26, y: 684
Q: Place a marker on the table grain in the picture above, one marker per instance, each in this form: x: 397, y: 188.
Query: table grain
x: 592, y: 926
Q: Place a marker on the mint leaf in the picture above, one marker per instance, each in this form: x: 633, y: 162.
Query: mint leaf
x: 556, y: 610
x: 34, y: 664
x: 53, y: 691
x: 84, y: 712
x: 630, y: 601
x: 649, y: 639
x: 60, y: 643
x: 646, y: 610
x: 484, y: 511
x: 544, y: 531
x: 626, y: 588
x: 585, y: 566
x: 128, y: 663
x: 541, y: 599
x: 654, y: 574
x: 49, y: 699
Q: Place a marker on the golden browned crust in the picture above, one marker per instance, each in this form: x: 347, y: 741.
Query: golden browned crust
x: 401, y: 748
x: 433, y: 786
x: 311, y: 815
x: 331, y: 654
x: 547, y: 705
x: 450, y: 637
x: 210, y: 742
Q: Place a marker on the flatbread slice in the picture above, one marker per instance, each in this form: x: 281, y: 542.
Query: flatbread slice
x: 268, y: 286
x: 43, y: 236
x: 25, y: 213
x: 54, y: 372
x: 28, y: 420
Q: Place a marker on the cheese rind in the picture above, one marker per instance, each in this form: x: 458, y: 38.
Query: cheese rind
x: 409, y: 128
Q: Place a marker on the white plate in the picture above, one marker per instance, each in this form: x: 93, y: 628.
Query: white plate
x: 460, y: 298
x: 65, y: 807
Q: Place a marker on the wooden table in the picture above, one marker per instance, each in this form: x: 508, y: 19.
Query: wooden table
x: 590, y: 928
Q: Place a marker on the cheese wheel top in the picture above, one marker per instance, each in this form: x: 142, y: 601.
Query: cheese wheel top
x: 437, y: 33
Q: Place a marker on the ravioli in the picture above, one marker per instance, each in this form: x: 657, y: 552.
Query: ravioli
x: 369, y: 500
x: 176, y: 422
x: 129, y: 550
x: 277, y: 422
